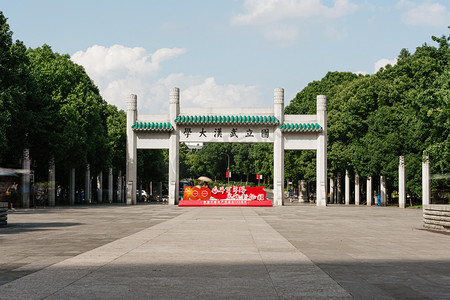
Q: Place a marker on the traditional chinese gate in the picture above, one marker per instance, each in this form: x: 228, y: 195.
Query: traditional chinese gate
x: 227, y: 125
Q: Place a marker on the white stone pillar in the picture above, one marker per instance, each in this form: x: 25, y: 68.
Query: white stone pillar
x: 383, y: 195
x: 100, y: 187
x: 401, y: 183
x: 174, y: 147
x: 302, y: 191
x: 369, y: 191
x: 321, y: 168
x: 119, y: 187
x: 278, y: 149
x: 87, y: 184
x: 110, y: 185
x: 426, y: 191
x: 331, y: 190
x: 357, y: 190
x: 123, y: 187
x: 51, y: 181
x: 72, y: 187
x: 26, y: 179
x: 131, y: 175
x: 347, y: 188
x: 338, y: 189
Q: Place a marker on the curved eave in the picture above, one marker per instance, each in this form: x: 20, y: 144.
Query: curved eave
x: 227, y: 120
x: 152, y: 126
x: 301, y: 127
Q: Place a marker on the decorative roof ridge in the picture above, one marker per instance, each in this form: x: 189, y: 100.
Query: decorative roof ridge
x: 301, y: 127
x: 227, y: 119
x: 152, y: 126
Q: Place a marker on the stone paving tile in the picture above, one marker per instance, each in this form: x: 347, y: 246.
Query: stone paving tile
x: 254, y: 253
x: 37, y: 238
x: 369, y: 250
x: 233, y: 261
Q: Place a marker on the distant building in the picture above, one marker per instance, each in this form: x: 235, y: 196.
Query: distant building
x: 195, y: 146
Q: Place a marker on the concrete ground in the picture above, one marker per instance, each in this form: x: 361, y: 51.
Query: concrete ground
x: 163, y: 252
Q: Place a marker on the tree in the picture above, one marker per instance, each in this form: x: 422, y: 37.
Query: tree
x: 400, y: 110
x: 75, y: 126
x: 16, y: 90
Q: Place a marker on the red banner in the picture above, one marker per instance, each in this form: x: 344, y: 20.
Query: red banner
x: 224, y: 196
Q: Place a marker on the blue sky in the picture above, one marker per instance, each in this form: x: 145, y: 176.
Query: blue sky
x: 229, y: 53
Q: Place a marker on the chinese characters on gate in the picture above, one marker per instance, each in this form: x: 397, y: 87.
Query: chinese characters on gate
x: 237, y: 193
x: 233, y: 133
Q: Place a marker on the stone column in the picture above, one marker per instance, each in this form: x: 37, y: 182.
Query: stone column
x: 369, y: 191
x: 321, y: 168
x: 51, y: 181
x: 110, y: 185
x: 278, y: 149
x: 426, y: 191
x: 401, y: 183
x: 338, y: 189
x: 123, y: 187
x: 119, y: 187
x: 383, y: 195
x: 26, y: 179
x: 302, y: 191
x: 72, y: 187
x: 331, y: 190
x: 100, y: 187
x: 87, y: 184
x: 347, y: 188
x: 174, y: 147
x: 131, y: 175
x: 357, y: 190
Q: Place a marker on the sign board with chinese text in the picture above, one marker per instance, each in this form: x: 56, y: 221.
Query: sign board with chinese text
x: 224, y: 196
x: 227, y: 134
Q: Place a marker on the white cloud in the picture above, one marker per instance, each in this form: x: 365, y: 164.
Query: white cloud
x: 427, y: 13
x: 209, y: 94
x: 384, y: 62
x: 117, y: 59
x: 361, y: 73
x: 284, y: 21
x: 259, y: 12
x: 119, y: 71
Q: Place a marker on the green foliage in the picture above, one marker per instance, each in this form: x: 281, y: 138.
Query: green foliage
x: 246, y: 160
x: 75, y: 128
x: 49, y: 105
x: 400, y: 110
x: 16, y: 92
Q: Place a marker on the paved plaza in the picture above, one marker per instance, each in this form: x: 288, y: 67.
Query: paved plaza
x: 167, y: 252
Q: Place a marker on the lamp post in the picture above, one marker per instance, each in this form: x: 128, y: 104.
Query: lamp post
x: 228, y: 167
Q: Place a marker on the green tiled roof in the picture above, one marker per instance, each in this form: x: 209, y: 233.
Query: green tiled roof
x: 152, y: 126
x: 299, y: 127
x: 263, y: 120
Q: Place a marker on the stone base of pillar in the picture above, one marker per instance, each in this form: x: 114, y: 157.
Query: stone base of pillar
x: 302, y: 192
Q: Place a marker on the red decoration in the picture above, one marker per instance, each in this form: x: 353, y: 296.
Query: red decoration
x: 225, y: 196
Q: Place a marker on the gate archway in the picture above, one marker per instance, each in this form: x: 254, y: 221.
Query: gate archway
x: 228, y: 125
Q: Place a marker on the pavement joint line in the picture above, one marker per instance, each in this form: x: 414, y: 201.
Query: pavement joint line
x: 269, y: 230
x: 259, y: 253
x: 207, y: 251
x: 86, y: 271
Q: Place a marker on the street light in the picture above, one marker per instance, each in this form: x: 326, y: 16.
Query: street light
x: 228, y: 167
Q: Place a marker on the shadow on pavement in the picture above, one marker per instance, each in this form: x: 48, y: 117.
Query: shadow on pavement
x: 14, y: 228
